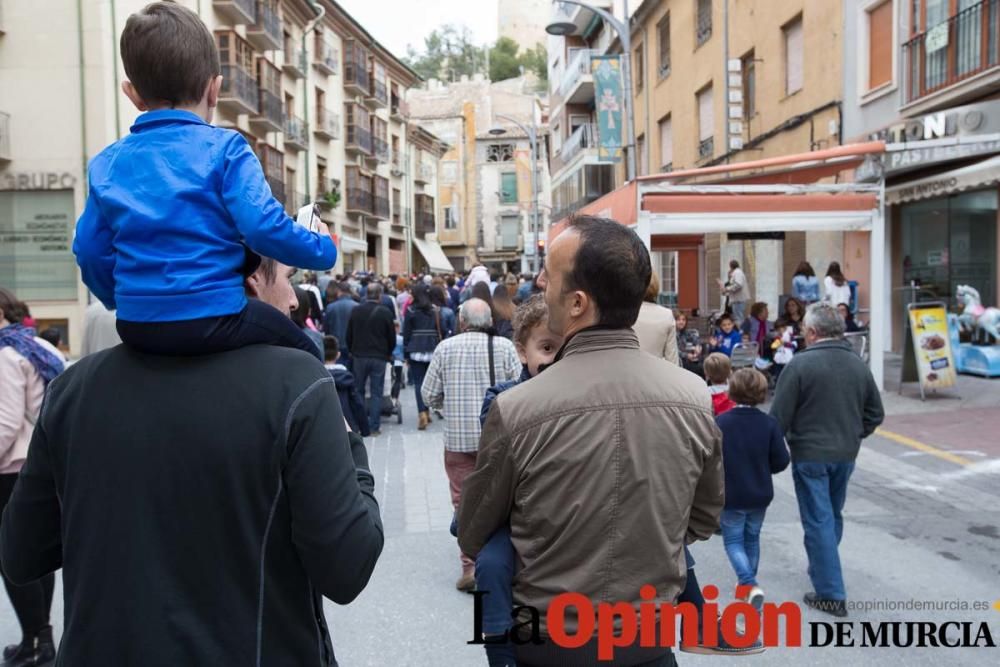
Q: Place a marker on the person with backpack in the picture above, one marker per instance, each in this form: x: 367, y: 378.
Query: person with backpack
x: 421, y: 334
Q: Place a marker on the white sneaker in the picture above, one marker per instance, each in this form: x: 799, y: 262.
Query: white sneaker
x: 756, y: 598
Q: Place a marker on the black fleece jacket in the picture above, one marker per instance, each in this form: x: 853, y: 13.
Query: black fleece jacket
x: 199, y: 507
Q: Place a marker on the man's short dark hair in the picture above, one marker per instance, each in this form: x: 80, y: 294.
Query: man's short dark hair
x: 169, y: 55
x: 611, y: 266
x: 331, y: 348
x: 268, y: 270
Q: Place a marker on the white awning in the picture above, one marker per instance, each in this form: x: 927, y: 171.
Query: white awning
x: 783, y: 221
x: 975, y: 175
x: 436, y: 260
x: 349, y: 244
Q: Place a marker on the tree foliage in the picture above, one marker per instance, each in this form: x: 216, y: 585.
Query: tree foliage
x: 449, y: 52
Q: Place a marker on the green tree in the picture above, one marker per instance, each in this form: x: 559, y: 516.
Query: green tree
x: 506, y: 62
x: 536, y: 60
x: 448, y: 53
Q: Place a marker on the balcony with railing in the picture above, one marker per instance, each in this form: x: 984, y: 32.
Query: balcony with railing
x: 508, y: 242
x: 265, y: 33
x: 952, y: 51
x: 296, y: 133
x: 358, y: 133
x: 359, y: 200
x: 399, y: 108
x: 327, y: 124
x: 277, y: 188
x: 706, y: 148
x: 325, y: 57
x: 577, y: 84
x: 240, y: 12
x: 355, y: 68
x: 239, y: 90
x: 292, y: 62
x: 424, y: 172
x: 270, y: 116
x: 382, y: 152
x: 4, y: 137
x: 583, y: 138
x: 378, y: 91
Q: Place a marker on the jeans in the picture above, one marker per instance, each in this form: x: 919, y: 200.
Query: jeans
x: 495, y: 574
x: 372, y: 370
x: 418, y: 369
x: 741, y: 536
x: 33, y: 601
x: 257, y: 324
x: 821, y: 489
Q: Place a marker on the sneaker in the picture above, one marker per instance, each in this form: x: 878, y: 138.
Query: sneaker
x: 723, y: 647
x: 375, y: 434
x: 466, y: 583
x: 836, y: 608
x: 756, y: 598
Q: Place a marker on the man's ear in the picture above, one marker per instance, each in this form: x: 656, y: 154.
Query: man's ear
x: 133, y: 95
x: 212, y: 91
x: 252, y: 284
x: 579, y: 304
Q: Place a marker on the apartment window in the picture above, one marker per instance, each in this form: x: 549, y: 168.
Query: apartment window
x: 703, y: 25
x: 510, y: 229
x: 643, y: 155
x: 397, y: 208
x: 450, y: 217
x: 749, y: 67
x: 880, y: 45
x: 706, y: 120
x: 667, y: 265
x: 663, y: 36
x: 500, y: 153
x: 666, y: 144
x: 508, y: 188
x: 639, y: 74
x: 793, y: 55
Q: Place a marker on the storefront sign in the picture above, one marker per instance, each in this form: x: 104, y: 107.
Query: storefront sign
x: 914, y: 156
x: 607, y: 71
x: 932, y: 346
x: 972, y: 119
x: 39, y: 180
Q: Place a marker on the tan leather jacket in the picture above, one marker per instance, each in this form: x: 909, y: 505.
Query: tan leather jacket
x: 605, y: 464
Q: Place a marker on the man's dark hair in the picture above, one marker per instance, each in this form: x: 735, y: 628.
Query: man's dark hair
x: 612, y: 267
x: 169, y: 55
x: 374, y: 291
x: 450, y: 280
x: 51, y: 336
x: 268, y: 270
x: 301, y: 312
x: 331, y: 348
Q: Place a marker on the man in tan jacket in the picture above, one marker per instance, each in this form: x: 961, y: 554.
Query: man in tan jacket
x: 607, y: 463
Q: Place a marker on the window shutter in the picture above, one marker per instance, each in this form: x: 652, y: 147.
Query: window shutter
x: 793, y: 56
x: 705, y: 114
x: 880, y: 45
x: 666, y: 143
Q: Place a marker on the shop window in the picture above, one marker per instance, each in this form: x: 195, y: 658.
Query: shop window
x: 36, y: 256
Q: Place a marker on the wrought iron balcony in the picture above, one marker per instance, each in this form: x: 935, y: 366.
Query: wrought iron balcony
x: 292, y: 63
x: 327, y: 124
x: 359, y: 200
x: 239, y: 90
x: 296, y: 133
x: 241, y: 12
x: 270, y: 116
x: 265, y: 34
x: 277, y: 188
x: 952, y: 51
x: 359, y: 139
x: 578, y: 74
x: 381, y: 147
x: 706, y: 148
x: 325, y: 56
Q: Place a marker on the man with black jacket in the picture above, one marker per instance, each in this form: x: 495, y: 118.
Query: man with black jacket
x: 201, y: 514
x: 371, y: 338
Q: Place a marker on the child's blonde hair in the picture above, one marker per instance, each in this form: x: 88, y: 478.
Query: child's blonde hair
x: 530, y: 314
x: 718, y: 368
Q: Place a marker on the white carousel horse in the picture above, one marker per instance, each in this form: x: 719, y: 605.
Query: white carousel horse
x: 975, y: 316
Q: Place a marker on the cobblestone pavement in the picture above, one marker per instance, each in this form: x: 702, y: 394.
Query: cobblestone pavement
x: 917, y: 528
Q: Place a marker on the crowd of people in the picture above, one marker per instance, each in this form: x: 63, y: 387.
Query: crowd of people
x: 205, y: 483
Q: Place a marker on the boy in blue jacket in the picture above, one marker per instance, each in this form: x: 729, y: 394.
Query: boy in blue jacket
x: 726, y: 337
x: 171, y: 206
x: 753, y: 449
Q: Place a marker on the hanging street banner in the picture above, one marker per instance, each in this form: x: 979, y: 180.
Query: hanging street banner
x: 607, y: 71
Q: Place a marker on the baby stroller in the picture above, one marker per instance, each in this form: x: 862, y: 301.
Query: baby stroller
x: 391, y: 405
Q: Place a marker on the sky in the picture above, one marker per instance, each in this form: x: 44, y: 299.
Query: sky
x: 396, y: 23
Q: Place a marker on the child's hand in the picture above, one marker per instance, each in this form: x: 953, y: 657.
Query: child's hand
x: 322, y: 228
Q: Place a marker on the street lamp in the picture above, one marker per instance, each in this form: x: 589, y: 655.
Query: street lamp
x: 533, y: 139
x: 564, y: 28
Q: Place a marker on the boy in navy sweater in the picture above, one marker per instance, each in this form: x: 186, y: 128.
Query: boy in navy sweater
x: 172, y: 205
x: 753, y: 449
x: 347, y: 389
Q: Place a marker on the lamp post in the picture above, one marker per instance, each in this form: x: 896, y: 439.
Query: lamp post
x: 564, y: 28
x: 532, y: 133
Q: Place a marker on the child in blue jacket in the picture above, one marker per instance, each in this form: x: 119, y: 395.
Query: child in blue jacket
x: 171, y: 206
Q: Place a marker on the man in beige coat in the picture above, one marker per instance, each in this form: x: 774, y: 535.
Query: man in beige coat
x: 604, y: 465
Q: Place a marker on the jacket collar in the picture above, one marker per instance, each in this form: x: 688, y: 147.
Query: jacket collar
x: 163, y: 117
x: 829, y: 344
x: 596, y: 338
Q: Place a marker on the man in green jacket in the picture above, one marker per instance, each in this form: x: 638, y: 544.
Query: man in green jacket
x: 827, y: 403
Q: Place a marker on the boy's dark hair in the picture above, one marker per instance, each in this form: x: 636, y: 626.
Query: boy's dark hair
x: 169, y: 55
x: 725, y: 317
x: 612, y: 266
x: 331, y: 348
x: 748, y: 386
x: 52, y: 336
x: 529, y: 315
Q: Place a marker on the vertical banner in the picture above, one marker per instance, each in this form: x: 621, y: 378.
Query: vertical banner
x: 607, y: 71
x: 932, y: 346
x: 522, y: 165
